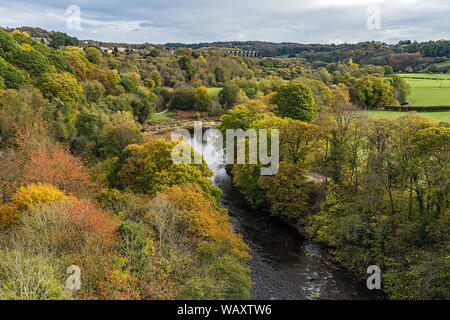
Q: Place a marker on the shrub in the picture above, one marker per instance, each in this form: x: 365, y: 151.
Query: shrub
x: 9, y: 213
x: 36, y: 194
x: 30, y: 277
x: 58, y: 168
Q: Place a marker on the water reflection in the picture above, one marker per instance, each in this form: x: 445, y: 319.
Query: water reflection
x: 283, y: 264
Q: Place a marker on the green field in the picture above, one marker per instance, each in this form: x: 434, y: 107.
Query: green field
x: 425, y: 75
x: 432, y: 91
x: 165, y: 117
x: 443, y: 116
x: 214, y: 91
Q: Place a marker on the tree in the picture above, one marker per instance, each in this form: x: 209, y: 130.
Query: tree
x: 93, y: 55
x: 220, y: 74
x: 202, y: 98
x: 12, y: 77
x: 31, y: 60
x: 156, y: 77
x: 59, y: 39
x: 58, y: 168
x: 321, y: 93
x: 228, y: 95
x: 63, y: 86
x: 93, y: 91
x: 372, y: 92
x: 36, y: 194
x: 183, y: 99
x: 185, y: 63
x: 401, y: 89
x: 8, y: 46
x: 149, y: 83
x: 148, y: 167
x: 295, y: 100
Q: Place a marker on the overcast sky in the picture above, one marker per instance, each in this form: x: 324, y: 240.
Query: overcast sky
x: 190, y: 21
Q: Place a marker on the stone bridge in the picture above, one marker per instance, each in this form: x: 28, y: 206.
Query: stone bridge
x: 244, y: 53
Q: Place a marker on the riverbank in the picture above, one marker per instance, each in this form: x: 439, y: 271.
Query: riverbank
x: 286, y: 263
x: 161, y: 128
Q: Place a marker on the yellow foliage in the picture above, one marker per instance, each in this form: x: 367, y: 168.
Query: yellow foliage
x: 17, y: 31
x: 204, y: 221
x: 36, y: 194
x: 9, y: 213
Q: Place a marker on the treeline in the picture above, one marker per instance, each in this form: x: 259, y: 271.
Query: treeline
x: 398, y: 56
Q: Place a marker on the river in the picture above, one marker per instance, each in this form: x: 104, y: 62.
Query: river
x: 284, y: 265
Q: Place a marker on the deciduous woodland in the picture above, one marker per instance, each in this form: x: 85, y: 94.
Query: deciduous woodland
x: 85, y: 182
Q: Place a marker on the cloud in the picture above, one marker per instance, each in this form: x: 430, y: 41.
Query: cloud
x: 161, y: 21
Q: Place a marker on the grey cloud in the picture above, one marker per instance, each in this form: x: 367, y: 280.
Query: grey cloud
x: 312, y: 21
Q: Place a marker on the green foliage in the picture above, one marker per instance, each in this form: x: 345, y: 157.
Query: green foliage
x: 143, y: 105
x: 93, y: 91
x: 128, y: 83
x: 12, y: 77
x: 372, y: 92
x: 59, y: 39
x: 93, y: 55
x: 31, y: 60
x: 228, y: 95
x: 156, y: 77
x: 148, y: 167
x: 202, y: 98
x: 183, y: 99
x: 8, y: 46
x: 401, y: 89
x: 63, y: 86
x: 295, y: 101
x: 134, y: 245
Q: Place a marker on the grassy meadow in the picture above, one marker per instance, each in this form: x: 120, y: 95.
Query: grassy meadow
x: 428, y: 89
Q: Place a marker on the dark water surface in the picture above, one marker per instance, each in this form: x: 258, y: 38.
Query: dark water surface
x: 284, y: 265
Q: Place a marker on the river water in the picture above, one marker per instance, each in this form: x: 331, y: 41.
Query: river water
x: 284, y: 265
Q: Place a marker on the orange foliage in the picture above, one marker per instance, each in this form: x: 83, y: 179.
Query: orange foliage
x: 203, y: 220
x: 59, y: 168
x: 85, y: 223
x: 190, y: 114
x: 9, y: 213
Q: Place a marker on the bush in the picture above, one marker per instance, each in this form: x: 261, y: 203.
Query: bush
x: 36, y: 194
x: 128, y: 83
x: 30, y: 277
x: 134, y: 246
x: 9, y: 213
